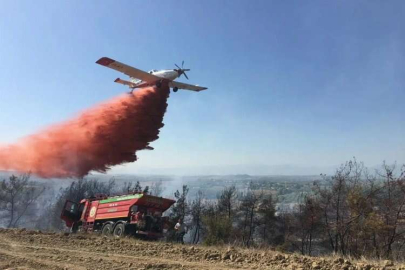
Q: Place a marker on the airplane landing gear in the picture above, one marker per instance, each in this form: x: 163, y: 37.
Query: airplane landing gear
x: 175, y: 89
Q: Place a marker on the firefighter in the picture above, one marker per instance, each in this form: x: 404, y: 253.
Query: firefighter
x: 180, y: 229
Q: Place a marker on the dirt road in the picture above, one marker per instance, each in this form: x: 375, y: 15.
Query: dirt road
x: 21, y: 249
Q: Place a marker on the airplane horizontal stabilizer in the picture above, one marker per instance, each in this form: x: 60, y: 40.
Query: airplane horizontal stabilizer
x: 130, y: 84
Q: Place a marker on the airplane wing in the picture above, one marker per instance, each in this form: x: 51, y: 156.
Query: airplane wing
x: 186, y: 86
x: 130, y: 84
x: 128, y: 70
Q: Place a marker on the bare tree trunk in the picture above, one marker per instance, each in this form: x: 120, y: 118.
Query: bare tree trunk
x: 250, y: 226
x: 11, y: 212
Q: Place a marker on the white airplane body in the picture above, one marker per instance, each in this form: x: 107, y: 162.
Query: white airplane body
x: 139, y: 78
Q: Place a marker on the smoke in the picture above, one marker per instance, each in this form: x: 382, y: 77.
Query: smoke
x: 106, y: 135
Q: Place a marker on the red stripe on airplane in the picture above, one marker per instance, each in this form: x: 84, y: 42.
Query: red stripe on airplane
x: 105, y: 61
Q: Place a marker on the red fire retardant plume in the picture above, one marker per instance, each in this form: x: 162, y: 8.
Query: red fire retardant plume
x: 106, y: 135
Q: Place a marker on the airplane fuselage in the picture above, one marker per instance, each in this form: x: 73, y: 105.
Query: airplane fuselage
x: 168, y: 74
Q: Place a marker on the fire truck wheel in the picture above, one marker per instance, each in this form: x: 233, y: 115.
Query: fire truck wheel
x: 107, y: 230
x: 119, y: 230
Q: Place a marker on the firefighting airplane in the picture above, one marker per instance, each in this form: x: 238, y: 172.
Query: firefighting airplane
x: 139, y: 78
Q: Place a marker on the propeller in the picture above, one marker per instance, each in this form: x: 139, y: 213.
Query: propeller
x: 181, y: 70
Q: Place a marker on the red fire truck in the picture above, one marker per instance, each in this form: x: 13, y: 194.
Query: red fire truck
x: 131, y: 214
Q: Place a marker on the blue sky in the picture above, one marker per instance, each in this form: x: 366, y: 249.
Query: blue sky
x: 292, y: 84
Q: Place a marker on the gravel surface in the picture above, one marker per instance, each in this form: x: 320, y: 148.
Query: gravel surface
x: 22, y: 249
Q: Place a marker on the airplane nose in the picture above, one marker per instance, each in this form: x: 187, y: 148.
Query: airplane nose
x: 181, y: 71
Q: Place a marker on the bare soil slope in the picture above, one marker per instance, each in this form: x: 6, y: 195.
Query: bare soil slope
x: 21, y: 249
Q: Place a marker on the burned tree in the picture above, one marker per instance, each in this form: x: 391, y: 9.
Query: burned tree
x: 197, y: 210
x: 217, y: 228
x: 228, y: 201
x: 266, y: 221
x: 129, y: 187
x: 390, y: 210
x: 334, y: 204
x: 157, y: 188
x: 181, y: 208
x: 308, y: 223
x: 248, y: 214
x: 17, y: 196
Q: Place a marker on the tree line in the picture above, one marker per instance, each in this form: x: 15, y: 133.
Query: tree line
x: 354, y: 212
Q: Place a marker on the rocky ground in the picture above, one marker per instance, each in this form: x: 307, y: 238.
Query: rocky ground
x: 21, y: 249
